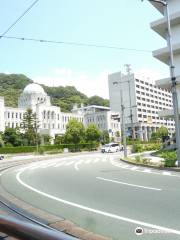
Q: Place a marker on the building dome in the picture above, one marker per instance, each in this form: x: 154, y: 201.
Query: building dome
x: 33, y: 88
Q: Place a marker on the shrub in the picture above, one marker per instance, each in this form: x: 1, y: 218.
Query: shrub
x: 170, y: 158
x: 138, y: 148
x: 71, y: 147
x: 145, y: 160
x: 138, y: 159
x: 146, y: 147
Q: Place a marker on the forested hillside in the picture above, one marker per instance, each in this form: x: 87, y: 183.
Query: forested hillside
x: 11, y: 86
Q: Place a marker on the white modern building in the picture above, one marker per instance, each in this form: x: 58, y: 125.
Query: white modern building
x: 102, y: 117
x: 50, y: 118
x: 162, y: 54
x: 146, y: 100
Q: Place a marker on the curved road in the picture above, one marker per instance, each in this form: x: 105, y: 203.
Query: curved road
x: 102, y: 194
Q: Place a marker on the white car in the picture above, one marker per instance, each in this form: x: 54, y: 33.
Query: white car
x: 110, y: 148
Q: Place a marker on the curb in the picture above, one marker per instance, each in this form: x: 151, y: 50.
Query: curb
x: 56, y: 222
x: 153, y: 167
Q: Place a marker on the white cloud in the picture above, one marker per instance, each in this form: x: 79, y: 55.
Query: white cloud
x: 84, y: 82
x: 150, y: 75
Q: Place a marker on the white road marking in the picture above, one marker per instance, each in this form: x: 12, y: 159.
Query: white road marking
x: 147, y: 170
x: 68, y: 163
x: 134, y: 168
x: 96, y: 160
x: 87, y: 161
x: 77, y: 164
x: 59, y: 164
x: 48, y: 165
x: 167, y: 173
x: 116, y: 164
x: 129, y: 184
x: 107, y: 214
x: 104, y: 160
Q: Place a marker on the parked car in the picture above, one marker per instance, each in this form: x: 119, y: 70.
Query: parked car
x: 111, y: 147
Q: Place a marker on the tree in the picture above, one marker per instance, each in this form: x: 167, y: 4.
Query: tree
x: 1, y: 141
x: 59, y: 139
x: 12, y: 136
x: 30, y: 127
x: 92, y: 133
x: 96, y: 100
x: 161, y: 133
x: 105, y: 137
x: 75, y: 132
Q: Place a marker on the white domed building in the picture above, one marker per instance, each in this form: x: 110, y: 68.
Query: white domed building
x: 50, y: 118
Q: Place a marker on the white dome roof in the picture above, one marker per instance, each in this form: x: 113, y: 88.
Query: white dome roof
x: 33, y: 88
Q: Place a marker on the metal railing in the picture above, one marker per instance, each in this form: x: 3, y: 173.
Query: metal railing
x: 24, y: 230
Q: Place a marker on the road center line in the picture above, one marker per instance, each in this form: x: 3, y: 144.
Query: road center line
x: 128, y: 184
x: 107, y: 214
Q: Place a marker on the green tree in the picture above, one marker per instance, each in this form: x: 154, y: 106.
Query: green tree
x: 75, y: 132
x: 105, y: 137
x: 92, y: 133
x: 161, y: 133
x: 1, y: 140
x: 96, y: 100
x: 30, y: 127
x: 12, y: 136
x: 59, y: 139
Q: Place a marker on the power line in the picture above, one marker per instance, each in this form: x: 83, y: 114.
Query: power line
x: 80, y: 44
x: 19, y: 18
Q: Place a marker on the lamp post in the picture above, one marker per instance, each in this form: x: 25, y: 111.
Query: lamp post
x: 172, y: 75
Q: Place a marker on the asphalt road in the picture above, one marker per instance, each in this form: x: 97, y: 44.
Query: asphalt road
x: 102, y: 194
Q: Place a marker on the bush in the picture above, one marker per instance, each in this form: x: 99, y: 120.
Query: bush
x: 170, y: 158
x: 71, y: 147
x: 138, y: 159
x: 146, y: 147
x: 145, y: 160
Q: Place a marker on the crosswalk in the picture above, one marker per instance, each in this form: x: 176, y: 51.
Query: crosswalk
x: 142, y: 169
x: 58, y: 163
x: 78, y: 162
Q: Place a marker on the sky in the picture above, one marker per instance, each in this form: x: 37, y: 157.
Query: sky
x: 120, y: 23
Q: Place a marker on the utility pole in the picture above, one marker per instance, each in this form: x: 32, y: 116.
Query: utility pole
x: 128, y: 70
x: 123, y: 125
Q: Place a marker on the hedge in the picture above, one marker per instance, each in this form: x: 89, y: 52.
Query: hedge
x: 146, y: 147
x: 28, y: 149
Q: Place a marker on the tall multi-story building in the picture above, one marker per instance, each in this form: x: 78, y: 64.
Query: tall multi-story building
x: 146, y: 100
x: 160, y: 26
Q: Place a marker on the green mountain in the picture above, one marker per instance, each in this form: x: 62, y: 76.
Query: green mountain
x: 12, y: 85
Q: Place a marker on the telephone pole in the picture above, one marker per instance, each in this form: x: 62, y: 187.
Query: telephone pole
x: 128, y: 70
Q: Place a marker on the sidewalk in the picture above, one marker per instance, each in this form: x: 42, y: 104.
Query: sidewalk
x: 148, y: 155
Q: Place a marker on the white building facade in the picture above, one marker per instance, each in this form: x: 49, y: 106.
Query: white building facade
x: 160, y: 27
x: 50, y: 119
x: 146, y: 99
x: 103, y: 118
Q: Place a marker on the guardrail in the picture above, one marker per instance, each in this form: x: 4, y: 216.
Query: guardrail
x: 27, y: 231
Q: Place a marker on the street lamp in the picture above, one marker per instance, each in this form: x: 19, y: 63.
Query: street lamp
x: 173, y: 78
